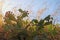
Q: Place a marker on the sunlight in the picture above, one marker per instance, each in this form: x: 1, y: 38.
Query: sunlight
x: 1, y: 6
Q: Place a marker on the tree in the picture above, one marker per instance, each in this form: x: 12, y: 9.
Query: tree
x: 15, y: 27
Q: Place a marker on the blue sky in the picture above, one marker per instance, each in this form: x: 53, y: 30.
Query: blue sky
x: 34, y: 6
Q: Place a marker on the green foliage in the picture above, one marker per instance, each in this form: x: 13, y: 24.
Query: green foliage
x: 47, y: 18
x: 10, y: 16
x: 23, y: 13
x: 35, y: 21
x: 17, y: 27
x: 41, y: 24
